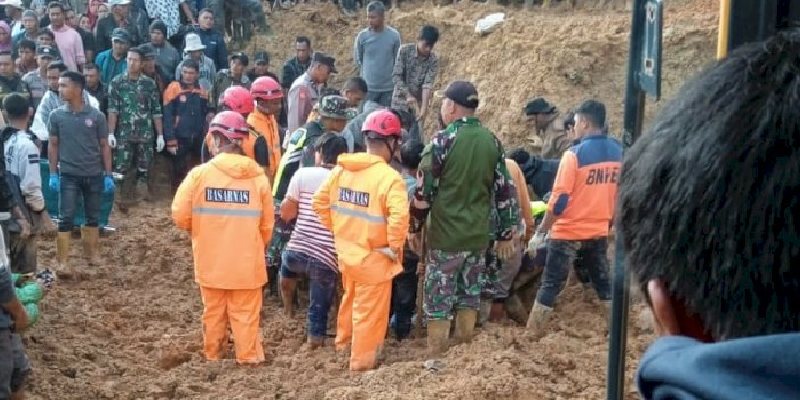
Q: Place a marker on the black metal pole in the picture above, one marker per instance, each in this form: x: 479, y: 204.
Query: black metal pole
x: 632, y: 125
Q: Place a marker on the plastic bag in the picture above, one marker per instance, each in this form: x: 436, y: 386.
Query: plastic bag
x: 33, y: 313
x: 489, y: 23
x: 30, y: 293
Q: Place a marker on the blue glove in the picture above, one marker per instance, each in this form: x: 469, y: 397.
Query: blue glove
x: 108, y: 184
x: 55, y: 183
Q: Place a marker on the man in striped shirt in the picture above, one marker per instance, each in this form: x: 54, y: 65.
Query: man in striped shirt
x: 310, y: 250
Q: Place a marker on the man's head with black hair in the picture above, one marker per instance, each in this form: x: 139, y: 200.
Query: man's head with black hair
x: 45, y: 37
x: 54, y: 71
x: 91, y: 72
x: 135, y: 59
x: 70, y: 86
x: 411, y: 155
x: 328, y: 148
x: 590, y: 117
x: 302, y: 46
x: 27, y: 51
x: 6, y: 64
x: 190, y: 72
x: 428, y: 37
x: 16, y: 107
x: 520, y: 156
x: 355, y: 89
x: 708, y: 200
x: 375, y: 13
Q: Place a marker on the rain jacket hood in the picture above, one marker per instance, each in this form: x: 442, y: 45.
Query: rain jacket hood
x: 236, y: 166
x: 359, y: 161
x: 760, y: 367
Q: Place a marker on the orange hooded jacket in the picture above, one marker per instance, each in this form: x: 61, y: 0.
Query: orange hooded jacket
x: 268, y: 128
x: 226, y: 205
x: 364, y: 204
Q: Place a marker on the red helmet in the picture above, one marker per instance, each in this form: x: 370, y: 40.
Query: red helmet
x: 382, y: 123
x: 266, y: 88
x: 237, y: 99
x: 229, y: 124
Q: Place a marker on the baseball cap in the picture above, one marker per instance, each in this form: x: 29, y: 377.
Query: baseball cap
x: 539, y: 106
x: 333, y: 107
x: 325, y: 59
x: 120, y: 34
x: 462, y: 93
x: 118, y: 2
x: 241, y: 57
x: 261, y: 57
x: 45, y: 51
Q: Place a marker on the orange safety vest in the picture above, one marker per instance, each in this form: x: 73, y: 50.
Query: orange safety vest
x: 267, y: 126
x: 364, y: 204
x: 226, y: 205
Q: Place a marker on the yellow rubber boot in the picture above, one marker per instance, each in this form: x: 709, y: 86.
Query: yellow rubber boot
x: 62, y: 253
x: 90, y: 236
x: 465, y: 325
x: 538, y: 317
x: 438, y: 333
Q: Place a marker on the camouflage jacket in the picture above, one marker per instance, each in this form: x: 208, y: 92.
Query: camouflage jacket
x: 460, y: 185
x: 137, y: 103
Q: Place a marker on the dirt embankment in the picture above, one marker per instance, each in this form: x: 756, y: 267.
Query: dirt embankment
x: 131, y: 329
x: 562, y: 54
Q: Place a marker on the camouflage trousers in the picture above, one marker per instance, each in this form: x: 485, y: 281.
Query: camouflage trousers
x: 452, y: 281
x: 489, y: 278
x: 131, y: 160
x: 281, y: 233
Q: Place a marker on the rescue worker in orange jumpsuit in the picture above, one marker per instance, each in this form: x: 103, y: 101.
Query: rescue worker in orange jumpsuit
x: 268, y: 94
x: 239, y: 100
x: 364, y: 204
x: 226, y: 205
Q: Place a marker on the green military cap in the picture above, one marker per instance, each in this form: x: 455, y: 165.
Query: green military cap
x: 333, y: 107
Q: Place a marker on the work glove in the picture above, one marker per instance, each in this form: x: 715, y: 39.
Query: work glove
x: 160, y: 143
x: 505, y: 249
x: 536, y: 243
x: 55, y: 183
x: 108, y: 184
x: 112, y: 140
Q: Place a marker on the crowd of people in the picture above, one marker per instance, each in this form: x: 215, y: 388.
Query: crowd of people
x: 284, y: 178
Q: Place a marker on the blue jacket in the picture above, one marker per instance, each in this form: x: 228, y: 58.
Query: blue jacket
x: 185, y: 111
x: 540, y: 174
x: 760, y: 367
x: 109, y: 67
x: 215, y: 47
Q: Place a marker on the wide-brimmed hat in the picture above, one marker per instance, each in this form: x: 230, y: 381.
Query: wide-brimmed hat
x: 194, y: 43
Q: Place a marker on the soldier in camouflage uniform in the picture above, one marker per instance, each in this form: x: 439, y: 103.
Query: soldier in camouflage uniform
x: 134, y: 108
x: 457, y: 188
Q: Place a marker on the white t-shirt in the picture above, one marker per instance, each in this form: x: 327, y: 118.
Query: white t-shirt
x: 309, y: 236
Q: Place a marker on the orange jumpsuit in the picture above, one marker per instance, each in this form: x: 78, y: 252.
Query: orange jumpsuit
x: 226, y: 205
x: 268, y: 127
x: 364, y: 203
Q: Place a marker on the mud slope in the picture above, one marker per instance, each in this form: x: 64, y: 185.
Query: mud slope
x: 564, y: 55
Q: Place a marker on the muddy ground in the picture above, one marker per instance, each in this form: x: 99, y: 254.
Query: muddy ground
x: 131, y: 329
